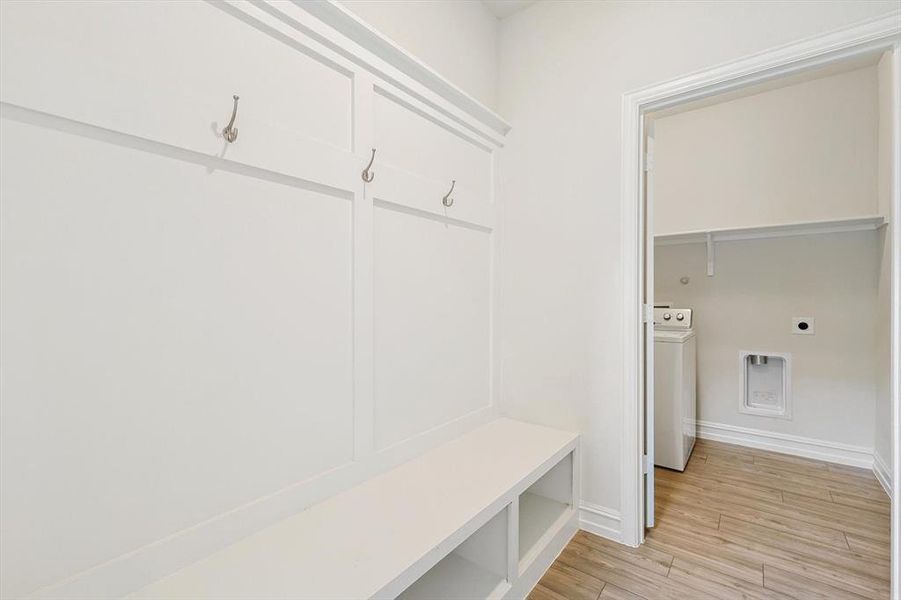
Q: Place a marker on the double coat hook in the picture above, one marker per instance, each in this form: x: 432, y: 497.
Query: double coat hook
x: 447, y: 200
x: 230, y: 133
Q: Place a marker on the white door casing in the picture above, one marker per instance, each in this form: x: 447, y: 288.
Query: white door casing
x: 649, y: 397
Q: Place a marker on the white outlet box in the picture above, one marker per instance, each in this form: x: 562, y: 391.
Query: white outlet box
x: 804, y: 326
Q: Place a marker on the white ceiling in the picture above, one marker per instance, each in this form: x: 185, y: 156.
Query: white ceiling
x: 505, y: 8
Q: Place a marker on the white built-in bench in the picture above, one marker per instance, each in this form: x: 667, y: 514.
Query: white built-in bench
x: 482, y: 516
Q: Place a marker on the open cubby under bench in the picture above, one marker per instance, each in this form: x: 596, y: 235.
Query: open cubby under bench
x: 482, y: 516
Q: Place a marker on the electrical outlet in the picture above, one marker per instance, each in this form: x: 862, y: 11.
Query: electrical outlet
x: 803, y: 326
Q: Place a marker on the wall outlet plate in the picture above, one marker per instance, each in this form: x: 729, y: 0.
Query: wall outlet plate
x: 803, y: 326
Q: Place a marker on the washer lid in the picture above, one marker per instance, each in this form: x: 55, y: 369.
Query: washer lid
x: 676, y: 337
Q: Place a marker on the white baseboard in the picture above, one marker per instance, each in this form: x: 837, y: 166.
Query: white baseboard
x: 834, y: 452
x: 883, y: 474
x: 601, y: 521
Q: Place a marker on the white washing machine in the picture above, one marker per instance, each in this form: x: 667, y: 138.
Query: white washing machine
x: 675, y: 387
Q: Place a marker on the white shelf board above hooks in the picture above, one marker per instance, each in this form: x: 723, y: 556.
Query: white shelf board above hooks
x: 712, y: 236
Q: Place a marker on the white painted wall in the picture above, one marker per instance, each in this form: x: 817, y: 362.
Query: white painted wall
x: 563, y: 69
x: 457, y: 39
x: 883, y: 412
x: 200, y: 338
x: 749, y: 304
x: 806, y: 152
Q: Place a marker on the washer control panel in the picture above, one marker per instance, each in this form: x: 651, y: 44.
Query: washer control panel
x: 672, y: 318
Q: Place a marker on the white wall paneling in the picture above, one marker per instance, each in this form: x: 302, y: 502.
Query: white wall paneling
x: 432, y: 323
x: 364, y: 414
x: 180, y: 94
x: 418, y: 142
x: 168, y: 335
x: 432, y: 270
x: 212, y: 335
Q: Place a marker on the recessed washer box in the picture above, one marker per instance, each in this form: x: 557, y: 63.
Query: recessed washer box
x: 765, y: 384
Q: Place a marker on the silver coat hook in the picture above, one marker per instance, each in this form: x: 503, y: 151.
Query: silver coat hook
x: 447, y: 200
x: 230, y: 133
x: 366, y: 175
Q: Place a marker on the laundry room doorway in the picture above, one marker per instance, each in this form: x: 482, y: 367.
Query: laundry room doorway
x: 772, y: 226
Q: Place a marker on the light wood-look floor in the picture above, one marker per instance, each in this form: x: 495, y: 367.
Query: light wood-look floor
x: 742, y: 523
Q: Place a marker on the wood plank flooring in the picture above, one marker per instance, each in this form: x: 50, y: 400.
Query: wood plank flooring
x: 741, y: 523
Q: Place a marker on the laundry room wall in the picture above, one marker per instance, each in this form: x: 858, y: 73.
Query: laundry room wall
x: 800, y: 153
x: 759, y: 286
x: 805, y: 152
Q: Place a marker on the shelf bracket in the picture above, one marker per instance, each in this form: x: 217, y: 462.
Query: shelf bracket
x: 711, y: 255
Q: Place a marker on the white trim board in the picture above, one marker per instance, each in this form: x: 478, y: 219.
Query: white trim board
x: 895, y: 210
x: 883, y: 474
x: 834, y: 452
x: 601, y: 521
x: 881, y: 34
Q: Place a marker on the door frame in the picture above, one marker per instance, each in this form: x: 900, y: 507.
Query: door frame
x: 878, y: 35
x: 647, y: 341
